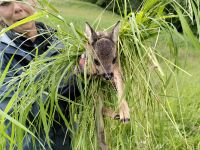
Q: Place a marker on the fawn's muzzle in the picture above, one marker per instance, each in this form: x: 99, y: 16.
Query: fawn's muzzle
x: 108, y: 76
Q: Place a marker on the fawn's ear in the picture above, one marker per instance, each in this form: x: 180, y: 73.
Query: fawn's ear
x: 90, y: 33
x: 115, y: 31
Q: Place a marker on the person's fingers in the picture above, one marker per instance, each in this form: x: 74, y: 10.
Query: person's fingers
x: 82, y: 61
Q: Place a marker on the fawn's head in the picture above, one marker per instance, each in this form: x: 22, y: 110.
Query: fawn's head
x: 103, y: 49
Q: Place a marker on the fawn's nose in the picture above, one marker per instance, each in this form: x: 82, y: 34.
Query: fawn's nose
x: 108, y: 76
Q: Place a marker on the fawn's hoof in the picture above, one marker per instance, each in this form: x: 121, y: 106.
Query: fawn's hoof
x: 124, y: 112
x: 125, y: 120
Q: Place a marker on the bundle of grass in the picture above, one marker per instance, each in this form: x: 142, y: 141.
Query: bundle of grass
x: 147, y: 73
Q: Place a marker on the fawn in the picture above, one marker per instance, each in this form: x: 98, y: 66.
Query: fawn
x: 102, y: 50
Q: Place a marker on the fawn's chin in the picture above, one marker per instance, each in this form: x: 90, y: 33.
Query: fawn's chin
x: 103, y: 76
x: 106, y: 78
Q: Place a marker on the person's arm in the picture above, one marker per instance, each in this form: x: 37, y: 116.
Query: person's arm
x: 5, y: 77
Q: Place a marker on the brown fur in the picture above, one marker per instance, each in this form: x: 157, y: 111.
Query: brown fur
x: 102, y: 59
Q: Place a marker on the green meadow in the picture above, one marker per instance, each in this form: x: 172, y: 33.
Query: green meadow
x: 161, y: 72
x: 79, y: 12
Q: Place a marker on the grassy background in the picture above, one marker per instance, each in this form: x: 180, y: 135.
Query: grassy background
x: 78, y: 12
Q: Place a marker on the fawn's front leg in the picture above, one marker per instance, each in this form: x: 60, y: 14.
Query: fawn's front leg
x: 123, y: 105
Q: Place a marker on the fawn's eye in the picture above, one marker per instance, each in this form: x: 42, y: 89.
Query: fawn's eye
x: 96, y: 62
x: 114, y: 60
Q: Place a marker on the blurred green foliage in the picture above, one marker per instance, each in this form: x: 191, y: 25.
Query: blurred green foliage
x: 118, y: 6
x: 135, y: 5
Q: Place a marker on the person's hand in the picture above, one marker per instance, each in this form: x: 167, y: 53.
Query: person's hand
x: 82, y: 62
